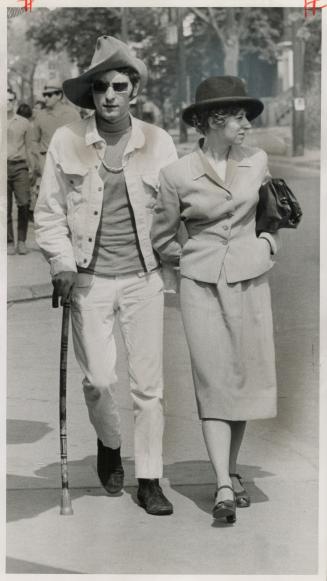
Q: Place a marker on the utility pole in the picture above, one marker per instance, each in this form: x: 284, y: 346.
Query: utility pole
x: 124, y: 24
x: 298, y: 90
x: 181, y: 74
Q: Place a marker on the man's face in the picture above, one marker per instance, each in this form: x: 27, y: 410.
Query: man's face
x: 111, y: 95
x: 11, y: 100
x: 51, y: 98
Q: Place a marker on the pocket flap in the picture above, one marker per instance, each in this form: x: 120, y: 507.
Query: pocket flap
x: 73, y: 169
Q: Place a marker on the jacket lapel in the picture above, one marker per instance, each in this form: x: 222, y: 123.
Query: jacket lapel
x: 237, y: 158
x: 201, y: 166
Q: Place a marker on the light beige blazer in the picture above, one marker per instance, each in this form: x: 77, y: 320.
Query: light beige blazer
x: 219, y: 217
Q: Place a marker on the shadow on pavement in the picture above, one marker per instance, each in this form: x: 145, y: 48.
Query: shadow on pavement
x: 198, y: 493
x: 190, y: 478
x: 26, y: 432
x: 20, y: 566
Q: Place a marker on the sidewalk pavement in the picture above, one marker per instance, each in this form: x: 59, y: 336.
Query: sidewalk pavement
x: 113, y: 535
x: 28, y: 276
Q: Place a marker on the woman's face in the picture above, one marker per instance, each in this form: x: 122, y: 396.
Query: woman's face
x: 234, y: 129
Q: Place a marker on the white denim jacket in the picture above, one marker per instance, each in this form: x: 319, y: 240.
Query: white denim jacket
x: 68, y: 209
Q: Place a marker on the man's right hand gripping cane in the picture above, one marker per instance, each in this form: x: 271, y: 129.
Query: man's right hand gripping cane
x: 63, y: 283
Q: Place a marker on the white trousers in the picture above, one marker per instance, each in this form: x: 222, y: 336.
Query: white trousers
x: 137, y: 301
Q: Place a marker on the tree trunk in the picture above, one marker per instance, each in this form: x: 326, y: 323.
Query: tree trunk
x: 231, y: 44
x: 32, y: 86
x: 231, y: 56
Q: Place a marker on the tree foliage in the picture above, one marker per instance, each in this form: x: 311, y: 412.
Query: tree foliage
x: 76, y: 30
x: 23, y: 55
x: 218, y: 40
x: 238, y: 31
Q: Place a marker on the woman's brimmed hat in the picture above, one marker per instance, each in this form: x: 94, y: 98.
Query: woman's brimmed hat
x: 222, y: 91
x: 110, y: 54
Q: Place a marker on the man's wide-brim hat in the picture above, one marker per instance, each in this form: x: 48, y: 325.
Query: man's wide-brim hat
x: 110, y: 54
x: 220, y: 92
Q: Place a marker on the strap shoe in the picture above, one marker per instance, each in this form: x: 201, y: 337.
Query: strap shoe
x: 110, y: 469
x: 225, y: 508
x: 243, y: 499
x: 151, y: 497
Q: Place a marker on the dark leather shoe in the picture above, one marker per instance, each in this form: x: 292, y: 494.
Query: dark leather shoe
x: 110, y: 469
x: 151, y: 497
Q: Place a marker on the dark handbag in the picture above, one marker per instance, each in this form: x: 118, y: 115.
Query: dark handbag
x: 277, y: 207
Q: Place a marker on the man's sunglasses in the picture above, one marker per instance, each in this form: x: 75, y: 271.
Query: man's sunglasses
x: 102, y: 87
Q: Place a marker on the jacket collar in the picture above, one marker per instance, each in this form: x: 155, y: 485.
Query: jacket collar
x: 201, y: 166
x: 92, y: 136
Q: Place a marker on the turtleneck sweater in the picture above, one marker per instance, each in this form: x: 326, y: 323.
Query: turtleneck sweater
x: 116, y: 250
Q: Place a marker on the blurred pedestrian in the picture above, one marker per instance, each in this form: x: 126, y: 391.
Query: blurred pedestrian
x: 24, y: 110
x: 225, y: 297
x: 38, y: 106
x: 151, y: 113
x: 93, y: 218
x: 20, y: 172
x: 47, y: 120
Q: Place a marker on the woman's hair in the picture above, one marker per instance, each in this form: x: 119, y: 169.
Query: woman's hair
x: 200, y: 119
x: 24, y: 110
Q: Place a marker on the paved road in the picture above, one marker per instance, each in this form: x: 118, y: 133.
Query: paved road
x: 277, y: 535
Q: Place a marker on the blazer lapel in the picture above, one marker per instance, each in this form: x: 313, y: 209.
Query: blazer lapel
x: 201, y: 166
x: 236, y: 159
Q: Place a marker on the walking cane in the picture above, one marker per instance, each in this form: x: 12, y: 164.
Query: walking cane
x: 65, y: 505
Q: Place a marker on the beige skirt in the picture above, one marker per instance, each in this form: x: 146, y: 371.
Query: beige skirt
x: 229, y: 331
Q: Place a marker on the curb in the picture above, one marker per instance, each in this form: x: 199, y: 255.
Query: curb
x: 17, y: 294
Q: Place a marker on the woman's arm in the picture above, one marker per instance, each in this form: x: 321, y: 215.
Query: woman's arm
x: 273, y: 239
x: 166, y: 222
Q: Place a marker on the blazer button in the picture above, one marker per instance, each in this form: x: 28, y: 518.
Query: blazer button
x: 228, y: 197
x: 225, y: 242
x: 96, y: 213
x: 225, y: 227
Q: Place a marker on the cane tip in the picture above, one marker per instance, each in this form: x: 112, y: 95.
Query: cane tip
x: 66, y: 506
x: 67, y: 511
